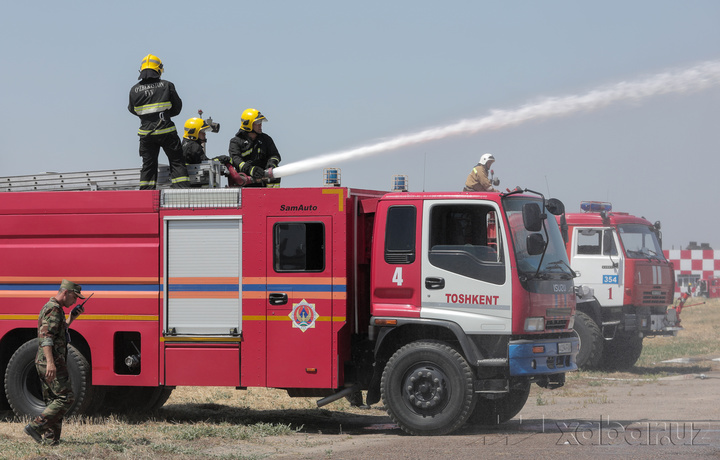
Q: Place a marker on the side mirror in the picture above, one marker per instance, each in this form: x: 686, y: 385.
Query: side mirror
x: 535, y: 244
x: 532, y: 217
x: 564, y: 229
x: 555, y: 207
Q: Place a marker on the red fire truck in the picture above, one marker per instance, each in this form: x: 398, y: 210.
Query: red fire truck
x: 324, y: 292
x: 620, y: 257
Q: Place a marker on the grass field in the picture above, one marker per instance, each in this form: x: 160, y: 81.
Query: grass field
x: 202, y: 422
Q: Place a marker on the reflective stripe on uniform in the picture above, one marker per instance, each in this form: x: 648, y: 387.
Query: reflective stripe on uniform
x: 144, y: 183
x: 246, y: 153
x: 152, y: 108
x: 180, y: 179
x: 145, y: 132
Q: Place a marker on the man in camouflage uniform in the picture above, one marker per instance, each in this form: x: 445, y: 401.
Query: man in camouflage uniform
x: 51, y: 363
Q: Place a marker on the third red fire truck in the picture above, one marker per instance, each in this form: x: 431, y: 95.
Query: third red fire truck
x: 325, y: 292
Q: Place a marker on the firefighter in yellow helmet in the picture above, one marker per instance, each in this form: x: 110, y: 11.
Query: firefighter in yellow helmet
x: 479, y: 180
x: 252, y: 151
x: 194, y: 140
x: 155, y: 101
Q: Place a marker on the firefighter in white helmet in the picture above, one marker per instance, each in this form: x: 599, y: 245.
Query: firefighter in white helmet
x: 252, y: 151
x: 479, y: 180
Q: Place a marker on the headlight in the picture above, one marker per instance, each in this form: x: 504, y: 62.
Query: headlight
x: 534, y: 324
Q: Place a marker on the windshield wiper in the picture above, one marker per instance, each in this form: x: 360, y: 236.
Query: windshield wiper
x: 559, y: 262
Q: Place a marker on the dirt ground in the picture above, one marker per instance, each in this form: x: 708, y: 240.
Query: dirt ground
x: 670, y: 417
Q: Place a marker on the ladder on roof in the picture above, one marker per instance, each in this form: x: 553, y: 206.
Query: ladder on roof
x: 206, y: 175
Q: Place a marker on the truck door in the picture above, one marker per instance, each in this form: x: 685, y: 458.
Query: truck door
x: 595, y: 257
x: 299, y: 302
x: 466, y: 277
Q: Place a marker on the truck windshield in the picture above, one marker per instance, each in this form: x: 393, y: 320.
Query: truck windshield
x: 640, y: 242
x: 555, y: 261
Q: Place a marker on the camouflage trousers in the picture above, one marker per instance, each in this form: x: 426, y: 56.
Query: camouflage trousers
x: 58, y: 397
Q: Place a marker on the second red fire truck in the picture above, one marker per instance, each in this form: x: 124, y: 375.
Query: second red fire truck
x: 620, y: 257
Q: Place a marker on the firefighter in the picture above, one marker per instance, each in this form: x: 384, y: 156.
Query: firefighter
x: 252, y: 151
x: 194, y: 139
x: 155, y: 101
x: 51, y: 363
x: 478, y: 180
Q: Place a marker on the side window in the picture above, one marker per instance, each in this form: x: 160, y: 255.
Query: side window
x: 464, y: 240
x: 609, y: 248
x: 400, y: 235
x: 588, y: 241
x: 299, y: 247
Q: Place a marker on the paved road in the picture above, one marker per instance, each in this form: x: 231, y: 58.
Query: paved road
x: 675, y: 417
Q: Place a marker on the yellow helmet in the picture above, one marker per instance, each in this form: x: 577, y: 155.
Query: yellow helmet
x: 152, y: 62
x: 248, y: 117
x: 193, y: 127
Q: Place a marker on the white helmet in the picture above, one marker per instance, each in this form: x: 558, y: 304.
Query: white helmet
x: 487, y: 158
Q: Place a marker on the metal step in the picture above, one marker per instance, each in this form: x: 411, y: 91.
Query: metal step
x: 206, y: 174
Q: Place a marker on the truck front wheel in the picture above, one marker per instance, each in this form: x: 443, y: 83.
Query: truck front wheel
x: 22, y: 384
x: 427, y: 388
x: 591, y: 341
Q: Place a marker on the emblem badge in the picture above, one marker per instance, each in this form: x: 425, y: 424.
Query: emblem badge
x: 303, y: 315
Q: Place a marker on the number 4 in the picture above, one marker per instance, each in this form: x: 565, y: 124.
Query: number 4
x: 397, y: 276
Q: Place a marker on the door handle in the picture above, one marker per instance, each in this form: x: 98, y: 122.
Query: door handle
x: 433, y: 282
x: 278, y: 298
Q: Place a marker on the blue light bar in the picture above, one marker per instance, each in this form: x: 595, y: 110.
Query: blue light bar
x: 595, y: 206
x: 331, y: 177
x: 400, y: 183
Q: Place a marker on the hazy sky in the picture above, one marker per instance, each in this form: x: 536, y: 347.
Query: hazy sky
x: 333, y: 76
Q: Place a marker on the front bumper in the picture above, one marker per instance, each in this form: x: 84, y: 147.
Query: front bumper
x: 543, y: 357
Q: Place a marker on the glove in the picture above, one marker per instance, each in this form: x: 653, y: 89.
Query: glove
x: 272, y: 163
x: 224, y: 159
x: 257, y: 172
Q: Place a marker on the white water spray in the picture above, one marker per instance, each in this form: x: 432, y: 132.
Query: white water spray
x: 695, y: 78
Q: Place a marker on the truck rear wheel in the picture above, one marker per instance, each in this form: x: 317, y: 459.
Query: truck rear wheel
x: 591, y: 341
x: 500, y: 410
x: 22, y: 384
x: 427, y: 388
x: 622, y: 352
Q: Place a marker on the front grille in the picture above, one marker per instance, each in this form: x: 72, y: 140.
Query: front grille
x: 650, y: 298
x: 556, y: 324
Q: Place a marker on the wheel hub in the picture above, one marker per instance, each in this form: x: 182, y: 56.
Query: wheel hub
x: 426, y: 390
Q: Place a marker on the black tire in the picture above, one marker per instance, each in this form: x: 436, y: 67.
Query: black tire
x: 427, y: 388
x: 591, y: 341
x: 139, y: 400
x: 22, y: 384
x: 621, y: 353
x: 500, y: 410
